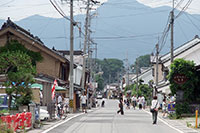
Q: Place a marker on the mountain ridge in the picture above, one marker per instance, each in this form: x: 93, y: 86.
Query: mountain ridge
x: 122, y: 31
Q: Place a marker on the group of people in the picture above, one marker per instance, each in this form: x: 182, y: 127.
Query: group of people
x: 134, y: 101
x: 140, y: 101
x: 62, y: 105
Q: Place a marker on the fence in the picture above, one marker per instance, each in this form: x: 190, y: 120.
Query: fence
x: 18, y: 121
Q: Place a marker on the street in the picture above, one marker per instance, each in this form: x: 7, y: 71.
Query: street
x: 106, y: 120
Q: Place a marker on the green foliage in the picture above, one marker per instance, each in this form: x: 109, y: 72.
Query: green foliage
x: 187, y: 68
x: 16, y: 46
x: 18, y: 67
x: 173, y: 116
x: 143, y: 61
x: 4, y: 111
x: 182, y: 108
x: 100, y: 81
x: 112, y: 68
x: 181, y: 66
x: 144, y: 90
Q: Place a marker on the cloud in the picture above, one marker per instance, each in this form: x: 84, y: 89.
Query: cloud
x: 19, y: 9
x: 193, y: 8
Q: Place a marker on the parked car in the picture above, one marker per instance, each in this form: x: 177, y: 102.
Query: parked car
x: 4, y: 98
x: 44, y: 115
x: 3, y: 101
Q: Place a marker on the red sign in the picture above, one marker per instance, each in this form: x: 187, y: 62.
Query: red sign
x: 180, y: 78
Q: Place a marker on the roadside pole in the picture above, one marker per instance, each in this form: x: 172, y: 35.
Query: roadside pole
x: 85, y: 45
x: 71, y: 84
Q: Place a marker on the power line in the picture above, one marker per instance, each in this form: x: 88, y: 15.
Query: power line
x: 184, y: 8
x: 7, y: 3
x: 124, y: 37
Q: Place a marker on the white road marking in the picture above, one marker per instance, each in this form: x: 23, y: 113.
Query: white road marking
x: 166, y: 123
x: 61, y: 123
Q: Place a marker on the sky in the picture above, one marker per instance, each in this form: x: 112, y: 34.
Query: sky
x: 19, y: 9
x: 193, y: 8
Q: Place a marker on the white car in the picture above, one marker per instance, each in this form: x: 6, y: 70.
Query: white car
x: 44, y: 114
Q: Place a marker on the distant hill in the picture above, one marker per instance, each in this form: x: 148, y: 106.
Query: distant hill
x: 121, y: 27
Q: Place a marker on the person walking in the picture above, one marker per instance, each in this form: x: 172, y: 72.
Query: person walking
x: 134, y: 101
x: 83, y: 102
x: 143, y: 102
x: 140, y: 102
x: 121, y: 107
x: 164, y: 108
x: 154, y: 107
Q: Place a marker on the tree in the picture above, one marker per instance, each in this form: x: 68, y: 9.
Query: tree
x: 144, y: 90
x: 186, y: 68
x: 99, y: 80
x: 143, y: 61
x: 16, y: 46
x: 111, y: 68
x: 18, y: 67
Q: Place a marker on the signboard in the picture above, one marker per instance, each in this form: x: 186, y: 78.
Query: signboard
x: 180, y: 78
x: 171, y: 107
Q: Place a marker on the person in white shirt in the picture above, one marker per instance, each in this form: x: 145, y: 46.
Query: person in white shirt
x: 83, y: 102
x: 59, y: 99
x: 140, y: 102
x: 164, y: 108
x: 155, y: 105
x: 143, y: 102
x: 134, y: 99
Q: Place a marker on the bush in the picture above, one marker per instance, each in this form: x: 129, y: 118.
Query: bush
x: 181, y: 109
x: 186, y: 68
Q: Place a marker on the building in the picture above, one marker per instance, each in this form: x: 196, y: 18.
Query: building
x: 53, y: 66
x: 188, y: 51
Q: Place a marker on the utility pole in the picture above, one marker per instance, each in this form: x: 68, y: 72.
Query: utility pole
x: 71, y: 84
x: 137, y: 74
x: 85, y: 45
x: 157, y: 53
x: 172, y: 32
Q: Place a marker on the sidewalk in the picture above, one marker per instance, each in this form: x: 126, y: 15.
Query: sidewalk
x: 180, y: 124
x: 50, y: 125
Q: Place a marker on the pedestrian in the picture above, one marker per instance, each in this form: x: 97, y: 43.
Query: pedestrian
x: 154, y: 109
x: 83, y: 102
x: 134, y: 101
x: 140, y: 102
x: 164, y: 108
x: 121, y: 107
x: 59, y: 99
x: 103, y: 103
x: 143, y: 102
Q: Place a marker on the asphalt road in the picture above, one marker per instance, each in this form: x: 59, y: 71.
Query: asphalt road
x: 106, y: 120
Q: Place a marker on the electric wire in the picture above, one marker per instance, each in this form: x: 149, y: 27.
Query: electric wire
x: 184, y: 8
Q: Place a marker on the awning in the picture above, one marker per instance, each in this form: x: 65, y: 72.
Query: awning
x: 59, y: 88
x: 36, y: 85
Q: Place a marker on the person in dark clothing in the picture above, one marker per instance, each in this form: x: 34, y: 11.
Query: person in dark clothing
x: 121, y: 107
x: 102, y: 103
